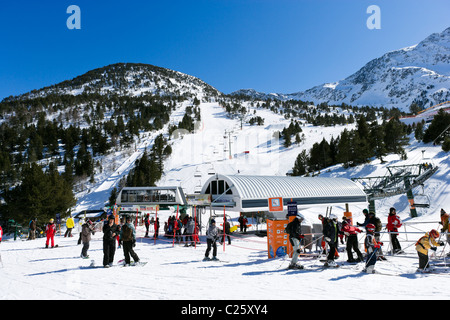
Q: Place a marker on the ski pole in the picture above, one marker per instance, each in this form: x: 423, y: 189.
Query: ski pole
x: 371, y: 256
x: 320, y: 254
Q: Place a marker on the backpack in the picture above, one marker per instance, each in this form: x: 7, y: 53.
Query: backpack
x: 127, y: 233
x: 288, y: 228
x: 378, y: 225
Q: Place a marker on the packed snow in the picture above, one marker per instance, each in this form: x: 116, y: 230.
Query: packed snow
x: 28, y: 271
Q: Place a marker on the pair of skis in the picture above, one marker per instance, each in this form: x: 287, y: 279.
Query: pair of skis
x: 120, y: 263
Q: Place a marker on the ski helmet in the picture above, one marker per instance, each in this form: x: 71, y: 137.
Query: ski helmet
x: 434, y: 234
x: 300, y: 217
x: 333, y: 216
x: 370, y: 227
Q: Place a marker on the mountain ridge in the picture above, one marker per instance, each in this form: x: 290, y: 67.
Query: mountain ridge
x: 417, y: 74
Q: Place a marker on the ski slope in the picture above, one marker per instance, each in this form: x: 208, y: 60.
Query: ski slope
x: 176, y: 272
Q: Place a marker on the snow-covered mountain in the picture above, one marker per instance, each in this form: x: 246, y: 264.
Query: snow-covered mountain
x: 419, y: 73
x: 132, y: 79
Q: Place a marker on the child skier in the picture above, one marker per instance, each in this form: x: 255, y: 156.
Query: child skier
x: 428, y: 241
x: 372, y: 245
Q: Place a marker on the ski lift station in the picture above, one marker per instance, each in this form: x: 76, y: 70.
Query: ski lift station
x: 142, y: 196
x: 243, y: 193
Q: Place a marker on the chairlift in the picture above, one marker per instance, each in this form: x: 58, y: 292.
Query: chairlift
x: 421, y: 200
x: 198, y: 189
x: 197, y: 173
x: 211, y: 171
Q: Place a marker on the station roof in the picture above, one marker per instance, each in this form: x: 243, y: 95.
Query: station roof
x: 253, y: 191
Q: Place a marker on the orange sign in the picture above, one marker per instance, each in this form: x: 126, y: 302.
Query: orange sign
x: 275, y: 204
x: 278, y: 244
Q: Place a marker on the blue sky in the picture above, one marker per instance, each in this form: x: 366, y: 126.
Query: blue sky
x: 270, y: 45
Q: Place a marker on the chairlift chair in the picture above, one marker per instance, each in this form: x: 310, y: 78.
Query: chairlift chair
x: 198, y: 189
x: 211, y: 171
x: 421, y: 201
x: 197, y: 173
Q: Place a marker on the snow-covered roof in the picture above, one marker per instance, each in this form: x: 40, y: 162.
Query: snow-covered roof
x: 251, y: 193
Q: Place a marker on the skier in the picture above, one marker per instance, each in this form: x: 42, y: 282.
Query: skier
x: 212, y: 234
x: 110, y: 231
x: 378, y: 226
x: 196, y: 231
x: 156, y: 227
x: 1, y: 233
x: 69, y: 225
x: 372, y: 245
x: 352, y: 240
x: 331, y: 235
x: 243, y: 223
x: 178, y: 225
x: 294, y: 229
x: 147, y: 224
x: 32, y: 227
x: 445, y: 225
x: 392, y: 226
x: 190, y: 227
x: 227, y: 232
x: 50, y: 231
x: 366, y: 219
x: 128, y: 240
x: 428, y: 241
x: 86, y: 230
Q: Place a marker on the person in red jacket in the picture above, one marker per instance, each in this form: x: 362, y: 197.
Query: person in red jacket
x: 392, y: 226
x: 352, y: 240
x: 50, y: 231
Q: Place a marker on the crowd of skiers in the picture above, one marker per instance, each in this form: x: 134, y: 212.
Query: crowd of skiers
x: 335, y: 232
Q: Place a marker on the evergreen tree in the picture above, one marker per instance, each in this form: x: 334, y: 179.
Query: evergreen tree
x: 300, y: 165
x: 287, y: 138
x: 446, y: 144
x: 441, y: 121
x: 344, y: 154
x: 418, y: 132
x: 376, y: 140
x: 41, y: 194
x: 394, y: 138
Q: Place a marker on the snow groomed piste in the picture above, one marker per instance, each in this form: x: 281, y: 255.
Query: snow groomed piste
x: 242, y: 272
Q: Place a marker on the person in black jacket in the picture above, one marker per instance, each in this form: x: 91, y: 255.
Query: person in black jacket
x: 110, y: 232
x: 294, y: 229
x: 330, y: 233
